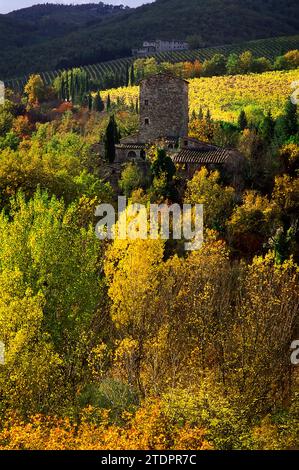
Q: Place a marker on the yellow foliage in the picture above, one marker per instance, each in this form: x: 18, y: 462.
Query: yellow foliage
x: 225, y: 96
x: 149, y: 429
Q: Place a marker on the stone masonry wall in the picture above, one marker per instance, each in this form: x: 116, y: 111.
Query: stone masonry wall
x: 163, y: 108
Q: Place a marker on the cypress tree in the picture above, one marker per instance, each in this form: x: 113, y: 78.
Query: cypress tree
x: 71, y: 86
x: 286, y: 125
x: 132, y: 75
x: 98, y: 104
x: 61, y: 88
x: 127, y: 76
x: 242, y: 120
x: 90, y: 102
x: 266, y: 128
x: 108, y: 103
x: 111, y: 138
x: 291, y: 118
x: 200, y: 114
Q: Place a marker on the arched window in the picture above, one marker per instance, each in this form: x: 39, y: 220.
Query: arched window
x: 132, y: 154
x: 146, y: 121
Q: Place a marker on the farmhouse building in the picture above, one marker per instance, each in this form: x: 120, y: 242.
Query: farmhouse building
x: 164, y: 120
x: 153, y: 47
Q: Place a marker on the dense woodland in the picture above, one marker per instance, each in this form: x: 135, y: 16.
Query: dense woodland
x: 136, y: 344
x: 49, y: 37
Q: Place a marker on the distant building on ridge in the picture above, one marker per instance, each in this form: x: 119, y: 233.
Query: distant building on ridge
x: 159, y: 45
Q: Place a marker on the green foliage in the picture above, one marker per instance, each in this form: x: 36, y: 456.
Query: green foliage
x: 72, y: 85
x: 287, y: 125
x: 242, y: 120
x: 215, y: 66
x: 111, y: 138
x: 97, y: 103
x: 131, y: 179
x: 50, y: 294
x: 218, y: 201
x: 163, y: 165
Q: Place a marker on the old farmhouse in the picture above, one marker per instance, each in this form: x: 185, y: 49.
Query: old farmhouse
x: 164, y: 120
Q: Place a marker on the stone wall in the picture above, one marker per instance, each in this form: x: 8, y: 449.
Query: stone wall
x: 163, y: 108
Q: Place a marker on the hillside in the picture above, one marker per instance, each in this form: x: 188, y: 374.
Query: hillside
x: 269, y: 48
x: 41, y: 23
x: 107, y: 37
x: 226, y: 96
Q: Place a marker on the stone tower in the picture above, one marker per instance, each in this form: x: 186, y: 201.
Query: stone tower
x: 163, y: 108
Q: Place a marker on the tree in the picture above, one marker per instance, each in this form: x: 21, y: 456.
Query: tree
x: 49, y: 310
x: 252, y: 223
x: 132, y: 271
x: 291, y: 118
x: 35, y: 90
x: 89, y: 101
x: 108, y: 103
x: 22, y: 126
x: 246, y: 62
x: 233, y: 66
x: 214, y: 66
x: 289, y: 154
x: 163, y: 164
x: 111, y: 138
x: 218, y: 201
x: 98, y: 104
x: 131, y: 178
x: 6, y: 120
x: 266, y: 127
x: 260, y: 65
x: 287, y: 124
x: 200, y: 113
x: 242, y: 120
x: 131, y: 76
x: 280, y: 63
x: 292, y: 58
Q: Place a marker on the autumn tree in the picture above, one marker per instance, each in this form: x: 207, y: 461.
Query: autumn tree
x: 252, y: 223
x: 131, y: 178
x: 35, y: 90
x: 47, y: 306
x: 218, y: 201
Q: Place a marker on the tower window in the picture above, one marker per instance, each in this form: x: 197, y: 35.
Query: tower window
x: 146, y: 121
x: 146, y: 102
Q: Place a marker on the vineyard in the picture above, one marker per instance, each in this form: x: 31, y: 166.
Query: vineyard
x: 268, y: 48
x: 226, y: 96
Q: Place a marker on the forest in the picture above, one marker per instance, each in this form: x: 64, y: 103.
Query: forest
x: 137, y: 344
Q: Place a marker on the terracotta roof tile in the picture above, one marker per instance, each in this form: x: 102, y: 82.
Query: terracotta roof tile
x: 201, y: 156
x: 130, y: 146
